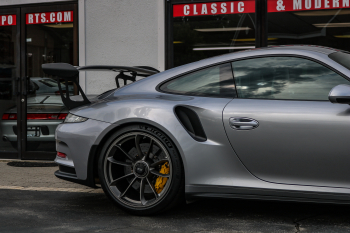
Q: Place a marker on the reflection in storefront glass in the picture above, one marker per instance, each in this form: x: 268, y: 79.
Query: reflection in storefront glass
x: 199, y: 37
x: 46, y: 43
x: 8, y: 87
x: 329, y: 28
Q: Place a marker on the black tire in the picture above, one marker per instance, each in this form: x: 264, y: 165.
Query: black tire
x: 173, y: 195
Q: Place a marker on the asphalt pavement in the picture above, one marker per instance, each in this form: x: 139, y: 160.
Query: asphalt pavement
x: 33, y: 200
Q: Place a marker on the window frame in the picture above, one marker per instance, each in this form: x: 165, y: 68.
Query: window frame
x: 196, y: 70
x: 289, y: 55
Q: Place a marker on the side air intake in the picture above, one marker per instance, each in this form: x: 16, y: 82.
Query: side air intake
x: 190, y: 121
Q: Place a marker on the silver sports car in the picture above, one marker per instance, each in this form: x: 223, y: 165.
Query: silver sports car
x: 44, y: 112
x: 270, y: 123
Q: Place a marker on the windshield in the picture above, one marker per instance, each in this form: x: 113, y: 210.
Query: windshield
x: 341, y: 58
x: 47, y: 86
x: 49, y: 82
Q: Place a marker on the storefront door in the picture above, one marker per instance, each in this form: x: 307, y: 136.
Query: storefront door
x: 10, y: 93
x: 32, y: 106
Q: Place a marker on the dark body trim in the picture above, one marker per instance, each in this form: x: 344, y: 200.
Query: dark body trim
x: 202, y: 191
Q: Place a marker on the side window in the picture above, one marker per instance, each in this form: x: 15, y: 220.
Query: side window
x: 215, y: 81
x: 289, y: 78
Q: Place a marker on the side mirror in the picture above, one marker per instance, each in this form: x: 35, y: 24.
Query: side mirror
x: 340, y: 94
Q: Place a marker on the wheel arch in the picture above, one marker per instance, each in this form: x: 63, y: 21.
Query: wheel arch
x: 103, y: 137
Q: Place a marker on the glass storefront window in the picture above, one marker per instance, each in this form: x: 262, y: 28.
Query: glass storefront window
x: 8, y: 84
x: 315, y: 22
x: 49, y: 39
x: 208, y: 29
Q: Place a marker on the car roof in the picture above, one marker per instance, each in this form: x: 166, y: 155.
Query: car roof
x: 314, y: 48
x: 284, y: 49
x: 319, y: 52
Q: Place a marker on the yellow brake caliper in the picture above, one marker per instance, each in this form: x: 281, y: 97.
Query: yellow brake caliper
x: 161, y: 181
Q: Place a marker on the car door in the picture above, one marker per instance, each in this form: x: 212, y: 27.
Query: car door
x: 282, y: 126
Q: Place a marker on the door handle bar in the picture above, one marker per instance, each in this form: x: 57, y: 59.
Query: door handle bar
x: 243, y: 123
x: 252, y: 123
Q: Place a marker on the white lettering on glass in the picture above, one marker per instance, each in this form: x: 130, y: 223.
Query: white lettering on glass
x: 335, y: 3
x: 326, y: 4
x: 296, y: 4
x: 307, y: 4
x: 204, y: 9
x: 280, y: 6
x: 213, y: 8
x: 186, y: 10
x: 195, y: 9
x: 30, y: 18
x: 67, y: 16
x: 317, y: 3
x: 52, y: 17
x: 43, y: 19
x: 59, y: 17
x: 241, y: 6
x: 37, y: 18
x: 223, y: 8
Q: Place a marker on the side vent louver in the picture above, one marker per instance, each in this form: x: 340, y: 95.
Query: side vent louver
x: 190, y: 121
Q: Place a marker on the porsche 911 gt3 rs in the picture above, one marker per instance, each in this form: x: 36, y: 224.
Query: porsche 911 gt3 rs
x: 270, y: 123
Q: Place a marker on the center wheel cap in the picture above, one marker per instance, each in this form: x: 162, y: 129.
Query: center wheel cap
x: 141, y: 169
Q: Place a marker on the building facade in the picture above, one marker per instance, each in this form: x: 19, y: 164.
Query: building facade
x: 157, y: 33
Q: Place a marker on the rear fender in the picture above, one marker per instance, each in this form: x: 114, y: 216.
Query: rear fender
x: 103, y: 137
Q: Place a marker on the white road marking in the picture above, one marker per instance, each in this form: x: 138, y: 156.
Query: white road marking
x: 72, y: 190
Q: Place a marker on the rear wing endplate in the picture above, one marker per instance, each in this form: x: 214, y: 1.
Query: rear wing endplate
x: 70, y: 74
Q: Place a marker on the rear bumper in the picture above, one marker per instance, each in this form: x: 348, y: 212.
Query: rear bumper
x: 67, y: 171
x: 78, y: 141
x: 73, y: 178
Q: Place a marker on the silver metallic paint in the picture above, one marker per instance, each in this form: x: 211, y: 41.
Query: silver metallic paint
x: 212, y: 167
x: 79, y: 137
x: 339, y: 91
x: 297, y: 142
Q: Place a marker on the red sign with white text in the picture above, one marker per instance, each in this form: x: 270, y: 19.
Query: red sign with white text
x: 214, y: 8
x: 7, y: 20
x: 248, y: 6
x: 49, y: 17
x: 305, y: 5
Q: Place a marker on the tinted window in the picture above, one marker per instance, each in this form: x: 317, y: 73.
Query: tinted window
x: 214, y: 81
x: 284, y: 78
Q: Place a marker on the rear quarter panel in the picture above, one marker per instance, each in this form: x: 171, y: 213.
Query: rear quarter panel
x: 212, y: 162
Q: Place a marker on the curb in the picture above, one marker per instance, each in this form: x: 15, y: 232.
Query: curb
x: 27, y: 161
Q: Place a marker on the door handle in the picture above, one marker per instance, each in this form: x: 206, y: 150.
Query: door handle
x: 243, y: 123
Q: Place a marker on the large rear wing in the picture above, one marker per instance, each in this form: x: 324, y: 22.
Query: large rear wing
x: 70, y: 74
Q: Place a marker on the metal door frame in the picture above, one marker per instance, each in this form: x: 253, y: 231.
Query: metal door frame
x: 15, y: 11
x: 40, y: 155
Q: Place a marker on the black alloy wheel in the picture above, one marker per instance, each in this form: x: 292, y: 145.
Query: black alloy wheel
x: 141, y: 170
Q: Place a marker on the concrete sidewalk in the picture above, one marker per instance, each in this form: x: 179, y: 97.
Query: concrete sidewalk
x: 37, y: 179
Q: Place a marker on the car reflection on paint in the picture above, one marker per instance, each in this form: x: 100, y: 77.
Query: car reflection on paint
x: 45, y: 111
